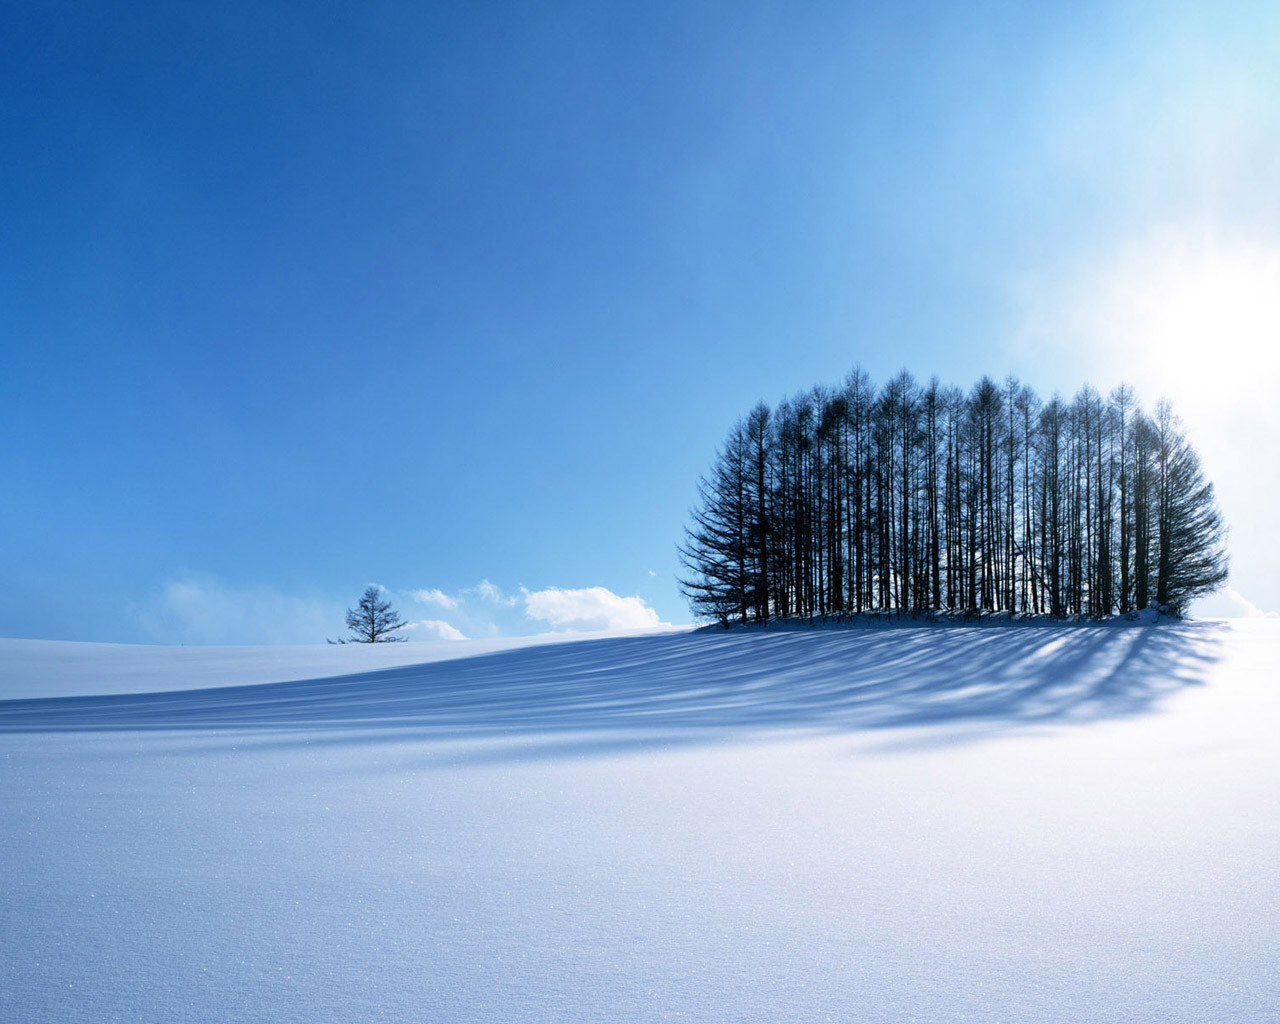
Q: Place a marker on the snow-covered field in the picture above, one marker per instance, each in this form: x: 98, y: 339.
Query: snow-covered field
x: 1039, y: 823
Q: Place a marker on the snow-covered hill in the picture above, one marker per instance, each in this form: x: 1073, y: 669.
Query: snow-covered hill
x: 1051, y: 823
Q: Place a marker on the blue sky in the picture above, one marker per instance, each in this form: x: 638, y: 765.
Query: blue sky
x: 461, y: 299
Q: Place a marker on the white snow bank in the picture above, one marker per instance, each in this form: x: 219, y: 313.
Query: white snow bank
x: 680, y: 683
x: 1070, y: 824
x: 59, y: 668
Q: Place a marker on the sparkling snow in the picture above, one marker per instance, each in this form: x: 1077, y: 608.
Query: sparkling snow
x: 1037, y: 823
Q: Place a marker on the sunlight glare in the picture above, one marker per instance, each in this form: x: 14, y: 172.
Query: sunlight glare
x: 1202, y: 326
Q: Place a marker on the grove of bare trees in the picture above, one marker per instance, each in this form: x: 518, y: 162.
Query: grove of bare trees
x: 918, y: 498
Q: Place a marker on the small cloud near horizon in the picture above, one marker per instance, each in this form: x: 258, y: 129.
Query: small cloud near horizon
x: 435, y: 596
x: 435, y: 629
x: 482, y: 610
x: 589, y: 609
x: 493, y: 594
x: 205, y: 610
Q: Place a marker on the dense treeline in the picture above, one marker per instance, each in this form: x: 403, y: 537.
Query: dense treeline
x: 916, y: 498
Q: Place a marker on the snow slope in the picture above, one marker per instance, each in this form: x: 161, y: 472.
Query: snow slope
x: 1041, y: 823
x: 54, y: 668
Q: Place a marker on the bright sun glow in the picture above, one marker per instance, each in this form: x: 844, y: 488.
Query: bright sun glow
x: 1198, y: 321
x: 1201, y: 325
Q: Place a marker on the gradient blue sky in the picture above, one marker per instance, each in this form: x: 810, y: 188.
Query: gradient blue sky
x: 293, y: 299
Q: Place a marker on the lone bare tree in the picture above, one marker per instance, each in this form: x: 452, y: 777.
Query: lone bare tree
x: 373, y: 620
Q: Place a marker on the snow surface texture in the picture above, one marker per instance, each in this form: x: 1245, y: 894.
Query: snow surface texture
x: 1051, y: 823
x: 49, y: 668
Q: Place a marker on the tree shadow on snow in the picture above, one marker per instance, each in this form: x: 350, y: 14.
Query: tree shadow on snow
x: 638, y: 692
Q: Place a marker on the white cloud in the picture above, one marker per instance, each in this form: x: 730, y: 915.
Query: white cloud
x: 436, y: 629
x: 491, y: 593
x: 202, y: 610
x: 436, y: 597
x: 589, y: 608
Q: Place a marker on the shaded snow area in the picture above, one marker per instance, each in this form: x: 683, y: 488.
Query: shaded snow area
x: 1046, y: 823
